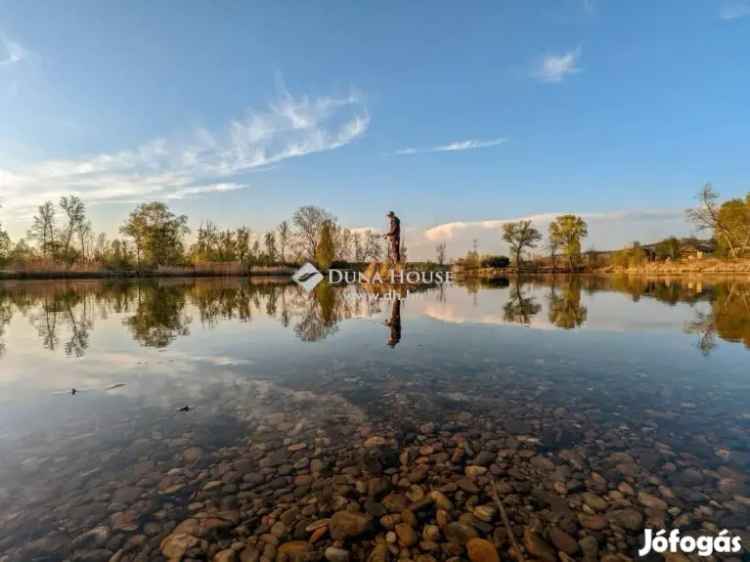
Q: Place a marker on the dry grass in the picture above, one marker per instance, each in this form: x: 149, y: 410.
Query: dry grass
x: 694, y: 266
x: 47, y: 269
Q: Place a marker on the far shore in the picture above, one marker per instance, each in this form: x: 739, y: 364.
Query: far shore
x: 61, y: 274
x: 679, y: 268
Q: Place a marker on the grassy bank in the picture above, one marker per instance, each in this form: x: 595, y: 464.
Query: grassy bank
x: 703, y: 266
x: 95, y: 272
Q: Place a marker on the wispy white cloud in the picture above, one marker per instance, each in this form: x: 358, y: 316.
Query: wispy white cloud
x: 207, y: 162
x: 554, y: 68
x: 456, y: 146
x: 11, y: 52
x: 734, y: 10
x: 204, y: 189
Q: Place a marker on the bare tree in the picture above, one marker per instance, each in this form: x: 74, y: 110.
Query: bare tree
x: 708, y: 217
x: 283, y: 239
x: 440, y: 250
x: 309, y: 222
x: 43, y: 228
x: 75, y: 213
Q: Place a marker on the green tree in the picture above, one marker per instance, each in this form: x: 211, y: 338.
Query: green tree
x: 157, y: 233
x: 668, y: 248
x: 520, y: 236
x: 325, y: 251
x: 568, y: 232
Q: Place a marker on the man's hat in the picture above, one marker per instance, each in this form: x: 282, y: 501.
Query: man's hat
x: 391, y: 214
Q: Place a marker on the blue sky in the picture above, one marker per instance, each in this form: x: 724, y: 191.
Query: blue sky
x: 458, y: 117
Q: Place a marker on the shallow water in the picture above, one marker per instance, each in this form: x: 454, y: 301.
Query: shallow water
x: 653, y: 371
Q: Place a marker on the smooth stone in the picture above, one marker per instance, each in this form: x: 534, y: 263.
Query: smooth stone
x: 538, y: 547
x: 334, y: 554
x: 593, y: 522
x: 175, y: 546
x: 293, y: 551
x: 481, y: 550
x: 652, y: 501
x: 628, y: 518
x: 594, y: 502
x: 563, y: 541
x: 227, y: 555
x: 346, y: 524
x: 459, y: 533
x: 406, y: 534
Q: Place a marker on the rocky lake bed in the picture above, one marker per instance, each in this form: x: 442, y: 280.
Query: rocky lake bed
x: 347, y: 456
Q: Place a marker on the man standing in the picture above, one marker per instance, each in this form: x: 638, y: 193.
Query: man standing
x: 394, y: 238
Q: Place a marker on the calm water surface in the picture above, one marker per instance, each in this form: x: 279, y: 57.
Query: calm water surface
x: 654, y: 371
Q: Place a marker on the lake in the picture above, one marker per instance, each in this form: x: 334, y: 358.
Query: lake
x: 229, y: 419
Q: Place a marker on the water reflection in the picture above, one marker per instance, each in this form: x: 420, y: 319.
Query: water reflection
x: 158, y: 312
x: 520, y: 307
x: 394, y: 323
x: 565, y: 308
x: 598, y: 376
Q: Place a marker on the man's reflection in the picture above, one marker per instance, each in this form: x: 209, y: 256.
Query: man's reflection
x: 394, y: 323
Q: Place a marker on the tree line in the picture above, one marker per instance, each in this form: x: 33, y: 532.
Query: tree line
x: 727, y: 224
x: 153, y: 236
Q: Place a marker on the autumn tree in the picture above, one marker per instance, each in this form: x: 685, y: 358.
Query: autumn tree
x: 568, y: 232
x: 325, y: 251
x: 520, y: 236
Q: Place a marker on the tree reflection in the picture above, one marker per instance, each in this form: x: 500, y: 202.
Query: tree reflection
x: 6, y: 314
x: 566, y: 310
x: 520, y: 308
x: 157, y: 312
x: 160, y: 315
x: 729, y: 317
x: 320, y: 314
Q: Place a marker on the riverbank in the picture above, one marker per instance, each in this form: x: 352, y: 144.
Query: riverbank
x: 692, y: 267
x: 173, y: 271
x: 704, y: 266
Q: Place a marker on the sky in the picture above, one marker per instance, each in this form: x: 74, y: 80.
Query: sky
x: 458, y: 117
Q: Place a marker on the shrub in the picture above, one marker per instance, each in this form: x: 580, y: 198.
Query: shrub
x: 495, y: 261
